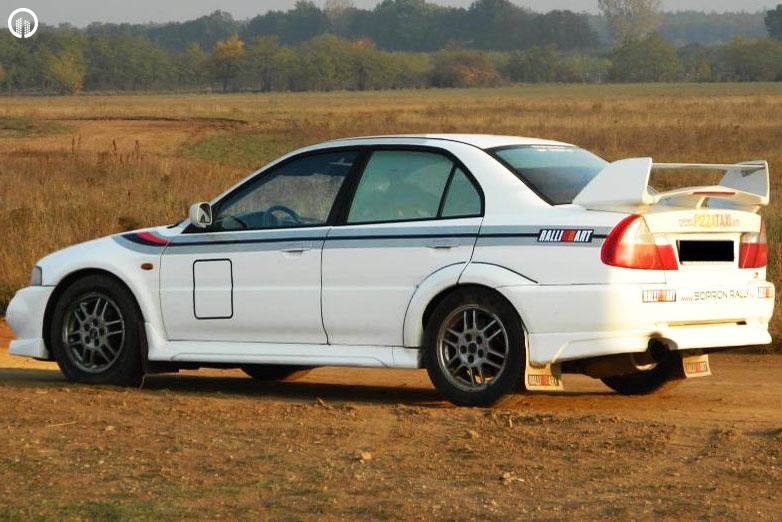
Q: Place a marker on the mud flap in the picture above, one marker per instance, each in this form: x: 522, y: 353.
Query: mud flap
x: 695, y: 366
x: 542, y: 378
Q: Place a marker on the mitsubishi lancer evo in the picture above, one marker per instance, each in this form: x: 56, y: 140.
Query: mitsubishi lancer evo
x: 496, y: 263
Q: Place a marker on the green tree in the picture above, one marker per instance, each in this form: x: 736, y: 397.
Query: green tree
x: 498, y: 25
x: 752, y: 60
x: 323, y: 64
x: 190, y: 66
x: 405, y: 70
x: 687, y: 27
x: 66, y: 70
x: 225, y: 59
x: 13, y: 57
x: 126, y: 61
x: 630, y: 20
x: 701, y: 63
x: 564, y: 29
x: 463, y: 68
x: 206, y: 31
x: 652, y: 59
x: 406, y: 25
x: 773, y: 20
x: 305, y: 21
x: 102, y: 63
x: 339, y: 16
x: 582, y: 67
x: 536, y: 65
x: 263, y: 67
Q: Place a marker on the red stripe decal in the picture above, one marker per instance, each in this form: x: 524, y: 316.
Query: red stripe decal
x: 151, y: 238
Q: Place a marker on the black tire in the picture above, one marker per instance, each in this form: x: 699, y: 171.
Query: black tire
x: 275, y: 372
x: 660, y: 378
x: 474, y: 347
x: 96, y: 333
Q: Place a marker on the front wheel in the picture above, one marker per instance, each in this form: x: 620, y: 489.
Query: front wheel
x: 474, y: 347
x: 96, y: 333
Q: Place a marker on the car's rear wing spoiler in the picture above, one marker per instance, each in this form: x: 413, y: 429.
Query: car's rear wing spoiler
x: 624, y: 185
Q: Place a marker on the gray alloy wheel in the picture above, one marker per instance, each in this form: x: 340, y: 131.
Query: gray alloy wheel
x: 474, y: 347
x: 93, y: 333
x: 97, y: 332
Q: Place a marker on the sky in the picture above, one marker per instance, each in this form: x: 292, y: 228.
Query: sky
x: 82, y: 12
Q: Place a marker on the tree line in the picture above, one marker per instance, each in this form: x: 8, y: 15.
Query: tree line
x: 398, y: 44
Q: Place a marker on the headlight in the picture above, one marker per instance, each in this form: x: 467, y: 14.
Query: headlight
x: 36, y: 278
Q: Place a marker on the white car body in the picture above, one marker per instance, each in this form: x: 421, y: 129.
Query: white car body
x: 358, y: 294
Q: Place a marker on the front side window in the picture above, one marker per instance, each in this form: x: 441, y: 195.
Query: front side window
x: 556, y: 172
x: 301, y: 192
x: 403, y: 185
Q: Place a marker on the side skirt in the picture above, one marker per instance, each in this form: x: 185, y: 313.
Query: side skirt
x: 161, y: 350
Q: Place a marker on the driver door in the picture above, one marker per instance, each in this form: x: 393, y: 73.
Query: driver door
x: 255, y: 274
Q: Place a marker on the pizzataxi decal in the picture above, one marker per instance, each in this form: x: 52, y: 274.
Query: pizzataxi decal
x: 722, y: 220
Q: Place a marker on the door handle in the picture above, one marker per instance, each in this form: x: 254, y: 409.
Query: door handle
x: 296, y: 248
x: 443, y: 244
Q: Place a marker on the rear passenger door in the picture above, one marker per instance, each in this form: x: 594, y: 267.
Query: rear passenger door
x: 413, y: 212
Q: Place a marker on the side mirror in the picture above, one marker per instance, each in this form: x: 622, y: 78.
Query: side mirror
x: 201, y: 215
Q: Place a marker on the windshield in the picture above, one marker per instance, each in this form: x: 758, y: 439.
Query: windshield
x: 556, y: 172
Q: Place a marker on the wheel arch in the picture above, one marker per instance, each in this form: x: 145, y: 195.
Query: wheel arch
x: 66, y: 283
x: 461, y: 287
x: 429, y: 294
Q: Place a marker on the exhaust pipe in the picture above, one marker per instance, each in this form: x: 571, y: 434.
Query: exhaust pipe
x: 626, y: 363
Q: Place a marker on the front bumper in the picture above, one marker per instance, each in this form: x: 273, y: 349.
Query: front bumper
x: 581, y: 321
x: 25, y: 316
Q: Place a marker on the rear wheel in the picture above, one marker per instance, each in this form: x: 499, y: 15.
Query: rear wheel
x: 474, y: 348
x: 96, y: 333
x: 661, y: 377
x: 275, y: 372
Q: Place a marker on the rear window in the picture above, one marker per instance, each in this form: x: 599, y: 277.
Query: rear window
x: 556, y: 173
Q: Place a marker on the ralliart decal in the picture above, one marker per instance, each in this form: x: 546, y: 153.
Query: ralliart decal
x: 565, y: 235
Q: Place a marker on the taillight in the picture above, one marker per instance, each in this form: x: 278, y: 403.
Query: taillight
x: 753, y: 252
x: 632, y: 245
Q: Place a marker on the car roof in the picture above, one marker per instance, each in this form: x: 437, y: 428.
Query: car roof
x: 481, y: 141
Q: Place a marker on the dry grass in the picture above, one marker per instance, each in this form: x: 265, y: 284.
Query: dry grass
x: 77, y: 168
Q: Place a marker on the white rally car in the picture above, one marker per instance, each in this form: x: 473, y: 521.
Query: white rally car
x: 497, y: 263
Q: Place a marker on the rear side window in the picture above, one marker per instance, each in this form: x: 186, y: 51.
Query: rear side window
x: 405, y: 185
x: 556, y: 173
x: 463, y: 199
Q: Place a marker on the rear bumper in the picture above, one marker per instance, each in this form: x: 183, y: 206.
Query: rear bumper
x: 25, y: 316
x: 581, y: 321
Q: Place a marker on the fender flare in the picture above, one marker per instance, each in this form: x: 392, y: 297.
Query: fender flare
x: 445, y: 279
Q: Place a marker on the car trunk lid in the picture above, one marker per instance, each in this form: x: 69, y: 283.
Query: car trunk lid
x: 704, y: 233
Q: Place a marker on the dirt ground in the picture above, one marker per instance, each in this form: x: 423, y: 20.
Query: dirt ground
x: 381, y: 445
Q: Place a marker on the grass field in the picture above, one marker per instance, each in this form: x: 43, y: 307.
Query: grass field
x: 77, y: 168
